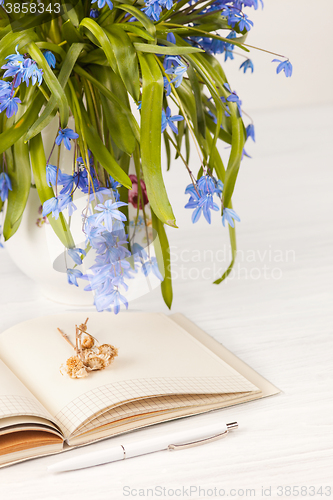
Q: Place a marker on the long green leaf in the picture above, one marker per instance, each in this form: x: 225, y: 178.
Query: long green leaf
x: 101, y: 153
x: 151, y: 117
x: 113, y: 98
x: 118, y: 124
x: 217, y: 165
x: 163, y: 260
x: 13, y: 134
x: 103, y: 39
x: 38, y: 164
x: 65, y: 72
x: 198, y: 100
x: 20, y: 175
x: 127, y: 60
x: 232, y: 236
x: 52, y: 83
x: 137, y: 31
x: 237, y: 144
x: 141, y: 17
x: 161, y: 49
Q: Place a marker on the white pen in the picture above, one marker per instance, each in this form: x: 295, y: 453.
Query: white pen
x: 174, y: 441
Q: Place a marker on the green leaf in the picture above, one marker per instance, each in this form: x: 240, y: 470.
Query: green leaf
x: 127, y: 60
x: 13, y: 134
x: 96, y: 56
x: 102, y: 38
x: 71, y: 33
x: 237, y: 144
x: 161, y: 49
x: 216, y: 164
x: 198, y: 100
x: 101, y: 153
x: 65, y: 72
x: 167, y: 150
x: 164, y: 261
x: 113, y: 98
x: 232, y: 235
x: 38, y: 164
x: 136, y: 31
x: 141, y: 17
x: 151, y: 118
x: 118, y: 124
x: 20, y: 176
x: 52, y: 83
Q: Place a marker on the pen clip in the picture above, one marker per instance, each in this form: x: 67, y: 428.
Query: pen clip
x: 176, y: 447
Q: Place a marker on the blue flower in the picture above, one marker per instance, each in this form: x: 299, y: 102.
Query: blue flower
x: 50, y: 57
x: 171, y: 38
x: 229, y: 215
x: 5, y: 186
x: 153, y: 9
x: 109, y: 211
x: 178, y: 69
x: 166, y: 4
x: 167, y: 119
x: 31, y: 70
x: 101, y: 3
x: 286, y: 66
x: 72, y: 275
x: 10, y: 104
x: 14, y: 64
x: 233, y: 97
x: 66, y: 201
x: 250, y: 132
x: 51, y: 205
x: 51, y: 175
x: 94, y: 13
x: 5, y: 90
x: 152, y: 266
x: 201, y: 197
x: 248, y: 64
x: 66, y: 135
x: 243, y: 21
x: 75, y: 254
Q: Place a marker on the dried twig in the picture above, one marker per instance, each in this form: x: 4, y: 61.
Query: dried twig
x: 65, y: 337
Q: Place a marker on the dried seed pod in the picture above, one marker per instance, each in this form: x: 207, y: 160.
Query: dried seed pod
x: 75, y: 367
x: 87, y: 341
x: 108, y: 350
x: 95, y: 363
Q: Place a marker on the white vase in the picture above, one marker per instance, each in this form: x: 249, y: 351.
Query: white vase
x: 38, y: 252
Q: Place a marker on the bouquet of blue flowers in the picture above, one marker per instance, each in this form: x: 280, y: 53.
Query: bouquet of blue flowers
x: 94, y: 61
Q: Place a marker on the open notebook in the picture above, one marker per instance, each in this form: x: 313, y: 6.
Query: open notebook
x: 167, y: 368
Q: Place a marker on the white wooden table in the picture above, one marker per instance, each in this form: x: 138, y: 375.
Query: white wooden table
x: 275, y: 313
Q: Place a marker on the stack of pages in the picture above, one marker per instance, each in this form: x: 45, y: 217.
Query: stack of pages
x: 167, y: 368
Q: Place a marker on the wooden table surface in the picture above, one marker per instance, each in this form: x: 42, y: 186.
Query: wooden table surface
x: 275, y: 313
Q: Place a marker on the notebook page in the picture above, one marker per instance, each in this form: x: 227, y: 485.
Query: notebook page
x: 16, y: 399
x: 156, y: 357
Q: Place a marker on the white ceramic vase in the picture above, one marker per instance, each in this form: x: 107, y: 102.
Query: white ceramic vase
x: 38, y: 252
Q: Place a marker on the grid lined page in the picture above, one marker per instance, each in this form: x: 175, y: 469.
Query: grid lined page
x: 17, y: 405
x: 151, y: 406
x: 91, y: 404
